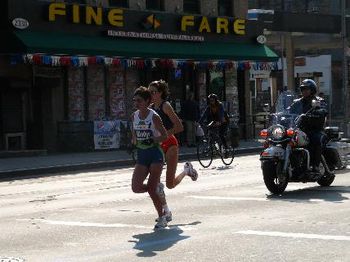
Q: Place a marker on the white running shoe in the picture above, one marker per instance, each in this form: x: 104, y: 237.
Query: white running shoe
x: 161, y: 223
x: 168, y: 216
x: 190, y: 171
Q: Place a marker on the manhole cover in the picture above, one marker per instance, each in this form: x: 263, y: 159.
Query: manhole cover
x: 11, y: 259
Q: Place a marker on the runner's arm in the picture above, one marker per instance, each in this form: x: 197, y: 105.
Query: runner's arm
x: 178, y: 127
x: 158, y: 124
x: 133, y: 136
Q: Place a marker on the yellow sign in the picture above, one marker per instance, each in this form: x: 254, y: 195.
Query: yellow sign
x: 115, y: 17
x: 224, y: 25
x: 92, y: 15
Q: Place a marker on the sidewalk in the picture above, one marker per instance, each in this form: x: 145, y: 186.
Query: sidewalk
x: 38, y: 165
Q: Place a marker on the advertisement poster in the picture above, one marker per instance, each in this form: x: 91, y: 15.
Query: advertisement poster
x: 117, y: 95
x: 107, y: 134
x: 76, y: 94
x: 96, y: 93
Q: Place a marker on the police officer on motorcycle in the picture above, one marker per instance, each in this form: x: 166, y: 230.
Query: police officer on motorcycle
x: 313, y: 120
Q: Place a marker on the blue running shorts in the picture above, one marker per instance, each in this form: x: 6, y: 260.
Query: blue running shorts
x: 146, y: 157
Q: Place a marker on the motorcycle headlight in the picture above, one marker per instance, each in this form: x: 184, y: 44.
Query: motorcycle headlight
x: 277, y: 132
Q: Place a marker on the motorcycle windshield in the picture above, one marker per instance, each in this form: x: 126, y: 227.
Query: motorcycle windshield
x: 283, y: 114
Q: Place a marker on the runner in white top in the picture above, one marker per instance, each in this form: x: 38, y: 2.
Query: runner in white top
x: 148, y: 132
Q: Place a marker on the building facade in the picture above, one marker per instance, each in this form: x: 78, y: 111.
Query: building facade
x: 71, y: 67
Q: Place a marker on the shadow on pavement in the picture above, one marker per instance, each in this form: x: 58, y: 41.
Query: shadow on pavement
x: 314, y: 194
x: 150, y: 243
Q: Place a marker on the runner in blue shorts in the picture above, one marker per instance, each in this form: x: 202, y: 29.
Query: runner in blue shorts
x: 148, y: 131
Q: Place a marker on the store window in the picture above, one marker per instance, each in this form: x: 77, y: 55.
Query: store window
x: 225, y: 8
x: 217, y: 84
x: 119, y: 3
x: 96, y: 93
x: 155, y: 5
x: 191, y: 6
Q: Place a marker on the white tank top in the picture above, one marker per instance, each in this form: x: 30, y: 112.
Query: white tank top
x: 144, y: 130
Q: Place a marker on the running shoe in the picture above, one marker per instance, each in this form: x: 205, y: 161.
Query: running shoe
x: 190, y: 171
x: 168, y: 216
x: 161, y: 223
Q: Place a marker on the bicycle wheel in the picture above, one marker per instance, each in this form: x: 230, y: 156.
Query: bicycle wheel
x: 204, y: 153
x: 228, y: 156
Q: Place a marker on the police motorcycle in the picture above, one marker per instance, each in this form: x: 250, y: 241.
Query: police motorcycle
x: 286, y: 158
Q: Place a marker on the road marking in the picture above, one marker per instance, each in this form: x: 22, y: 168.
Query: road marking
x: 230, y: 198
x: 103, y: 225
x: 293, y: 235
x: 87, y: 224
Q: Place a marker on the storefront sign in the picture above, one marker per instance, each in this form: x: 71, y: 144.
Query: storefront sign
x: 106, y: 134
x: 136, y: 24
x: 157, y: 36
x: 222, y: 25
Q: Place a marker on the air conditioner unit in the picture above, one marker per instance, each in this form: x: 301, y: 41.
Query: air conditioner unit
x: 14, y: 141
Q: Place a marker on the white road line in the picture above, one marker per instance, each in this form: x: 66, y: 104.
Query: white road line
x: 230, y: 198
x: 103, y: 225
x: 87, y: 224
x: 293, y: 235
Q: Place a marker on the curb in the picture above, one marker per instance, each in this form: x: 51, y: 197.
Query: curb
x: 41, y: 171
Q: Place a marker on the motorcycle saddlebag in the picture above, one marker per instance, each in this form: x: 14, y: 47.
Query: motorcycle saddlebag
x: 332, y: 132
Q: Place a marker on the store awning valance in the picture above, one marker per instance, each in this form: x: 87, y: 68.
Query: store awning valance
x: 58, y: 43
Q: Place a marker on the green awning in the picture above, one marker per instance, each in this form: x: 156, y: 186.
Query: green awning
x: 58, y: 43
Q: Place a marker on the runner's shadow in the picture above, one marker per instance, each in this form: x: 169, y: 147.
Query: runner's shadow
x: 150, y: 243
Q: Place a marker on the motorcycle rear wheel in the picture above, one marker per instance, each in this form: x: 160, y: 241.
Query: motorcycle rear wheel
x: 271, y: 170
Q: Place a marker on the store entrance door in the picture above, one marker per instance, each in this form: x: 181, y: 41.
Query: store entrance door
x: 42, y: 131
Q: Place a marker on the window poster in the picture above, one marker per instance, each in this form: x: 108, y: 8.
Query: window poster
x: 201, y: 87
x: 96, y: 92
x: 117, y: 94
x: 76, y: 102
x: 232, y: 93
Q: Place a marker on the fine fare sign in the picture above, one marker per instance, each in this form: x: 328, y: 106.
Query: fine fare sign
x: 133, y: 24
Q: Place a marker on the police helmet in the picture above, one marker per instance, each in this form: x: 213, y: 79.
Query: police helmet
x: 310, y: 84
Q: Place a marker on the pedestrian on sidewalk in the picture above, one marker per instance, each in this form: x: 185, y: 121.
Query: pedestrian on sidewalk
x: 190, y: 114
x: 147, y: 132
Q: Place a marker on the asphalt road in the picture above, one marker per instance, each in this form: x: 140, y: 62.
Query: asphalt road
x: 227, y: 215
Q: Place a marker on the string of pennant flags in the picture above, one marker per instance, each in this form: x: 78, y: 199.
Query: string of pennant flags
x: 138, y: 63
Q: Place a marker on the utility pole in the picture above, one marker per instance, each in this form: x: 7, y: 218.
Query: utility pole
x: 345, y: 65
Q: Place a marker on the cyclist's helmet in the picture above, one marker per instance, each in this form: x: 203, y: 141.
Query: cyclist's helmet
x: 213, y: 96
x: 310, y: 84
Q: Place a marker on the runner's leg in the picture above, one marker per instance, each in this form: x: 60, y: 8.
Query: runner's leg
x: 152, y: 184
x: 172, y: 157
x: 138, y: 177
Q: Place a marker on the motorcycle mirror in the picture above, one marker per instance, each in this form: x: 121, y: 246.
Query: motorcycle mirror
x: 316, y: 103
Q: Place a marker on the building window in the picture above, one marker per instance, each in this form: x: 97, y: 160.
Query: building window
x: 225, y: 7
x: 155, y: 5
x: 191, y: 6
x: 119, y: 3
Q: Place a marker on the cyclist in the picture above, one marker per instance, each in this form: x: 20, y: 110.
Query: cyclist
x: 147, y: 132
x: 215, y: 115
x: 159, y: 91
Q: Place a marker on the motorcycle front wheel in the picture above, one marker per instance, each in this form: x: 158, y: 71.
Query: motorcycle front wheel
x: 275, y: 181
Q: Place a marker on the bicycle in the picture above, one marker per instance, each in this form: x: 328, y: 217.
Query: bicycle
x: 210, y: 145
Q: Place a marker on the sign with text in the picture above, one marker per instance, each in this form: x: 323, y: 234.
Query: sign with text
x: 107, y: 134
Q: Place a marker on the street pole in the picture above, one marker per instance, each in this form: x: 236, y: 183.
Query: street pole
x: 345, y: 65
